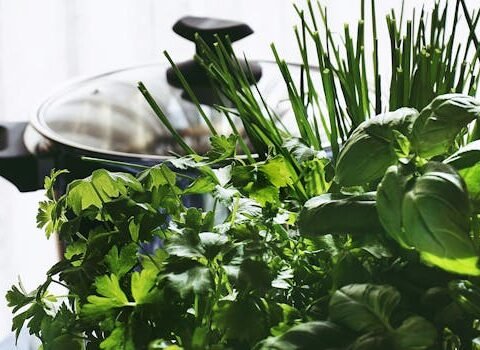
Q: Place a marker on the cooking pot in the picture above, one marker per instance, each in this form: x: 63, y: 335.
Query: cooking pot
x: 105, y: 116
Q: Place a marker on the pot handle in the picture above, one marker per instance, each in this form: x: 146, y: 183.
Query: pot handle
x: 17, y: 164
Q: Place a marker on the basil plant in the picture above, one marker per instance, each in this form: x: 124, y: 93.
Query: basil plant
x: 426, y: 188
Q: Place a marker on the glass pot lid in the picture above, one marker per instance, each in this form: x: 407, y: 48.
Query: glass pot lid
x: 108, y: 114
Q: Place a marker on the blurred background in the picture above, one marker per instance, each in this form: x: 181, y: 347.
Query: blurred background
x: 46, y: 43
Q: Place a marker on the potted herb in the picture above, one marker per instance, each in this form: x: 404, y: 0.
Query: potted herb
x: 370, y: 242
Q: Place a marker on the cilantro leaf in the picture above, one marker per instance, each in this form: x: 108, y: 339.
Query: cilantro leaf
x: 192, y: 246
x: 264, y: 194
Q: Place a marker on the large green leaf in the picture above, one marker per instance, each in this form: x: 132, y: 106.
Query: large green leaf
x: 438, y: 123
x: 415, y: 333
x: 349, y: 270
x: 370, y: 149
x: 436, y: 220
x: 431, y: 213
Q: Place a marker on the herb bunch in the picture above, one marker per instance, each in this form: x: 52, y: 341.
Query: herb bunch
x: 373, y: 247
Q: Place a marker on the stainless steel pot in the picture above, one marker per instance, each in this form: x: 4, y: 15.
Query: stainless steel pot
x: 105, y: 116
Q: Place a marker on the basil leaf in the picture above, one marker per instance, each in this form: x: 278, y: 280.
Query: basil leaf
x: 328, y: 213
x: 415, y: 333
x: 370, y: 150
x: 321, y: 335
x: 390, y: 195
x: 436, y: 219
x: 431, y: 213
x: 364, y: 307
x: 440, y: 122
x: 467, y: 162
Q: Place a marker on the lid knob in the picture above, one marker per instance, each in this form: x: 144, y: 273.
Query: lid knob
x: 207, y: 28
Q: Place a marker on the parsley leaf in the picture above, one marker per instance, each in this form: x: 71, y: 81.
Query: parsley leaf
x: 120, y: 264
x: 142, y: 284
x: 100, y: 187
x: 112, y: 297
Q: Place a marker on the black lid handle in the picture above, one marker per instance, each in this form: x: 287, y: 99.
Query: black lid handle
x: 207, y: 28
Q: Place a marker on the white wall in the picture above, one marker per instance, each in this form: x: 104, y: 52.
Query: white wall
x: 43, y: 43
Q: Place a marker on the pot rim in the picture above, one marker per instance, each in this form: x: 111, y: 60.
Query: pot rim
x: 38, y: 123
